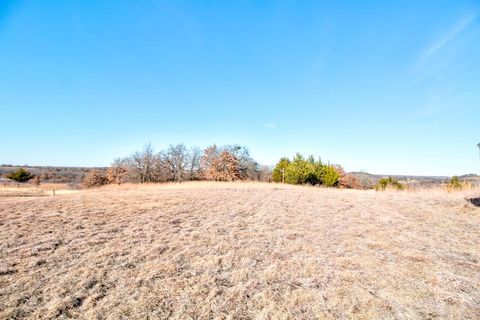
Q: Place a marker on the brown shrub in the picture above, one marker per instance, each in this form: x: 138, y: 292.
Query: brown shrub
x: 348, y: 181
x: 36, y: 180
x: 224, y: 167
x: 117, y: 174
x: 95, y: 179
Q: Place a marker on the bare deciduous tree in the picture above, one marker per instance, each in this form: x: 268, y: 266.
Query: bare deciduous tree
x: 143, y: 163
x: 177, y: 163
x: 176, y: 160
x: 160, y: 169
x: 194, y: 163
x: 264, y: 174
x: 209, y: 155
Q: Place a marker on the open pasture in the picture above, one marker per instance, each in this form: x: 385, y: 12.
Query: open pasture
x: 239, y: 251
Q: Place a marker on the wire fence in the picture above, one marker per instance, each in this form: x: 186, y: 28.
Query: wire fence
x: 25, y: 190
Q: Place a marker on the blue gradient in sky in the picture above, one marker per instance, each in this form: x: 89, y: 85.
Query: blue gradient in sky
x: 385, y: 87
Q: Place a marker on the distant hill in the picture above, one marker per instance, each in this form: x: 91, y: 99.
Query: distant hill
x: 50, y: 174
x: 474, y: 178
x: 366, y: 179
x: 369, y: 180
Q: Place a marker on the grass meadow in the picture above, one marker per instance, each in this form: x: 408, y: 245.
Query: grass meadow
x: 205, y: 250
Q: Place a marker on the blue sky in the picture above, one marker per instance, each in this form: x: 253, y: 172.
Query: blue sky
x: 382, y: 86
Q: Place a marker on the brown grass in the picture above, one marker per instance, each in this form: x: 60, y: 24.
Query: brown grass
x: 239, y: 251
x: 29, y: 190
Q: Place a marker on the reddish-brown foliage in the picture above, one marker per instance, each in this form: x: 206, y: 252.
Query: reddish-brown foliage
x: 117, y: 174
x: 95, y: 179
x: 347, y: 181
x: 36, y: 180
x: 223, y: 167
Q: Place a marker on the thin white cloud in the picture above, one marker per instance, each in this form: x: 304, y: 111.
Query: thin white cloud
x: 270, y: 125
x: 448, y: 36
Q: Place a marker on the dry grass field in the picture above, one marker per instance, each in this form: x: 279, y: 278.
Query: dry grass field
x: 26, y: 190
x: 239, y: 251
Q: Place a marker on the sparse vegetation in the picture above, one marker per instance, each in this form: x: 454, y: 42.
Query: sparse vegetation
x: 455, y: 183
x: 49, y: 174
x: 388, y: 183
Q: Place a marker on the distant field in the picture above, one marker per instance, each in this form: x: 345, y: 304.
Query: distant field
x: 29, y: 190
x: 239, y: 251
x: 49, y: 174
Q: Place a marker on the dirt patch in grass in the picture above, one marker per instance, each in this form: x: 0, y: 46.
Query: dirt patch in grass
x: 239, y: 251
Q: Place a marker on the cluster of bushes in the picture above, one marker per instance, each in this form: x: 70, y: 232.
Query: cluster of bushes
x: 178, y: 163
x: 388, y: 183
x: 113, y: 175
x: 301, y: 170
x: 456, y: 184
x: 94, y: 179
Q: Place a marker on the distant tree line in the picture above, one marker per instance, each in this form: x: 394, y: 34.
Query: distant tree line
x: 178, y: 163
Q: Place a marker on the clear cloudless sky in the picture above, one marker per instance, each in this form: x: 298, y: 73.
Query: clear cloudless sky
x: 389, y: 87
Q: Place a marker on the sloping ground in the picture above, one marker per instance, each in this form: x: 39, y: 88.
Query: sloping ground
x: 239, y: 252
